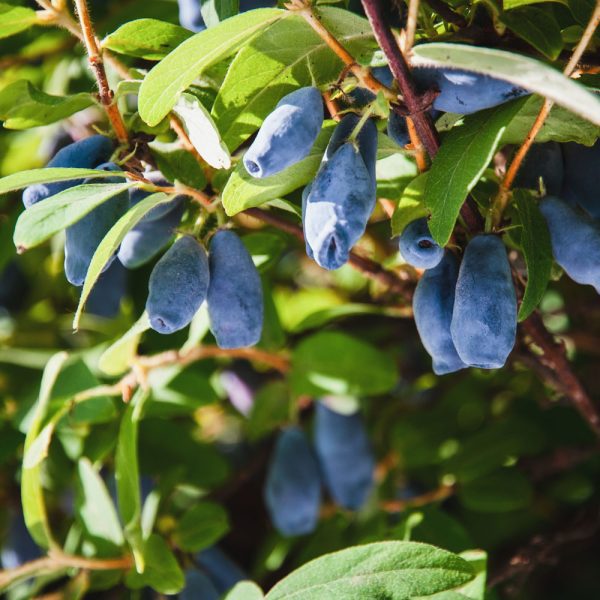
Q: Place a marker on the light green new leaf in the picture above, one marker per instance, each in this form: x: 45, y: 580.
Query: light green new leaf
x: 162, y: 571
x: 287, y: 56
x: 117, y: 358
x: 23, y: 106
x: 14, y: 19
x: 536, y: 26
x: 537, y: 250
x: 44, y: 219
x: 523, y: 71
x: 146, y: 38
x: 201, y: 526
x: 391, y: 570
x: 215, y: 11
x: 97, y: 512
x: 510, y: 4
x: 202, y: 131
x: 462, y: 158
x: 111, y: 242
x: 177, y: 71
x: 21, y: 180
x: 331, y: 362
x: 32, y: 494
x: 245, y: 590
x: 38, y: 450
x: 244, y: 191
x: 410, y: 206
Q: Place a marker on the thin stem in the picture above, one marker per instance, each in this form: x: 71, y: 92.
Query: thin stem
x: 437, y: 495
x: 97, y: 65
x: 411, y: 25
x: 363, y: 74
x: 420, y: 154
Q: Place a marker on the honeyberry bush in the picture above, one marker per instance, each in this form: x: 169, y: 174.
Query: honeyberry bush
x: 291, y: 306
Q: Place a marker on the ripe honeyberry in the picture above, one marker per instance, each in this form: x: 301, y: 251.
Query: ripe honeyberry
x: 84, y: 154
x: 417, y: 246
x: 345, y: 456
x: 84, y: 236
x: 235, y: 297
x: 575, y: 241
x: 190, y: 15
x: 221, y: 570
x: 287, y: 134
x: 198, y: 586
x: 433, y: 303
x: 342, y: 196
x: 178, y: 286
x: 293, y: 484
x: 484, y: 319
x: 543, y: 161
x: 580, y: 186
x: 106, y: 295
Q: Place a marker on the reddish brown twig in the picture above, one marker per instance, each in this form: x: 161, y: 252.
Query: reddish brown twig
x: 96, y: 63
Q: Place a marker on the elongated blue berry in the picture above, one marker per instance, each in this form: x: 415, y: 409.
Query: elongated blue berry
x: 235, y: 298
x: 84, y: 154
x: 287, y: 134
x: 83, y: 238
x: 580, y: 185
x: 198, y: 586
x: 147, y: 239
x: 575, y: 241
x: 433, y: 303
x: 484, y: 319
x: 106, y: 295
x: 178, y: 286
x: 345, y: 456
x: 465, y: 92
x: 137, y: 195
x: 417, y: 246
x: 190, y: 15
x: 545, y: 162
x: 342, y: 196
x: 221, y: 570
x: 293, y: 485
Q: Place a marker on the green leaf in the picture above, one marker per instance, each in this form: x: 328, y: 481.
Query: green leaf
x: 460, y: 162
x: 410, y: 206
x: 537, y: 250
x: 127, y: 477
x: 146, y: 38
x: 177, y: 71
x: 97, y: 512
x: 537, y: 27
x: 201, y: 526
x: 14, y: 19
x: 177, y: 164
x: 391, y: 570
x: 271, y: 408
x: 523, y: 71
x: 215, y: 11
x: 245, y: 590
x: 202, y: 131
x: 336, y: 363
x: 244, y: 191
x: 560, y: 126
x: 32, y: 494
x: 287, y: 56
x: 265, y: 247
x: 110, y: 243
x: 501, y: 491
x: 117, y: 358
x: 581, y: 10
x: 23, y: 106
x: 162, y: 571
x: 44, y: 219
x: 20, y: 180
x: 510, y: 4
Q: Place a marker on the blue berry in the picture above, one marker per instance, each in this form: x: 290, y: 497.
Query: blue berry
x: 235, y: 297
x: 543, y: 161
x: 484, y: 319
x: 575, y: 241
x: 106, y: 295
x: 190, y: 15
x: 178, y: 286
x: 84, y: 154
x: 433, y: 303
x: 198, y: 587
x: 342, y: 196
x: 137, y: 195
x: 465, y: 92
x: 221, y: 570
x: 417, y: 246
x: 147, y: 239
x: 293, y: 485
x: 287, y: 134
x: 83, y: 238
x: 580, y: 186
x: 345, y: 456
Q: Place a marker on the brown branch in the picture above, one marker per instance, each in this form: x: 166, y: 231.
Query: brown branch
x: 96, y: 63
x: 365, y: 265
x: 437, y: 495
